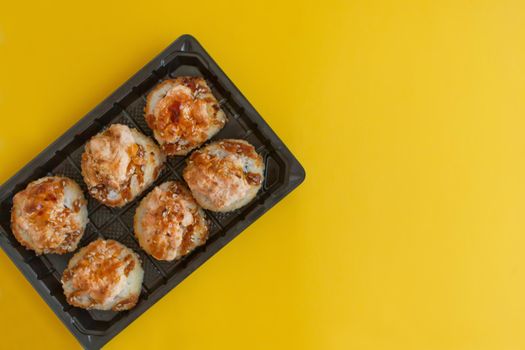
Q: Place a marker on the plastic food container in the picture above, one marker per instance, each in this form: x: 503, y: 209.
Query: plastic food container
x: 185, y: 56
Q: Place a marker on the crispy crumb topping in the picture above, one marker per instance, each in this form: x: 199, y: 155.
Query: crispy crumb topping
x: 40, y: 211
x: 182, y: 112
x: 224, y: 171
x: 99, y: 273
x: 111, y: 161
x: 172, y: 224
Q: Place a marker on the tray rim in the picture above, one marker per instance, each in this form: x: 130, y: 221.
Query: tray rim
x: 186, y: 44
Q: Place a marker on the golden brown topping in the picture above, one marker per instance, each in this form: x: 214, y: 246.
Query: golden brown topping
x: 183, y: 112
x: 77, y: 204
x: 170, y: 148
x: 66, y: 276
x: 106, y: 157
x: 129, y: 262
x: 107, y: 163
x: 98, y: 271
x: 220, y: 167
x: 41, y: 201
x: 42, y: 221
x: 224, y: 175
x: 187, y: 243
x: 116, y: 164
x: 126, y: 304
x: 242, y: 148
x: 253, y: 179
x: 169, y: 224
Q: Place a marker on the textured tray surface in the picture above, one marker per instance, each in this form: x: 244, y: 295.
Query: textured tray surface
x: 184, y: 57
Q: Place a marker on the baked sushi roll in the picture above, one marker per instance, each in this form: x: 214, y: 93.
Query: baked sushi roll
x: 224, y: 175
x: 183, y: 114
x: 49, y: 215
x: 119, y: 163
x: 104, y: 275
x: 169, y: 223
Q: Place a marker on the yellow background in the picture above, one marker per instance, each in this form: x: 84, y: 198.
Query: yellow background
x: 409, y: 118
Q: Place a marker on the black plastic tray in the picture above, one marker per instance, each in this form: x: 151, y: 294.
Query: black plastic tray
x: 185, y: 56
